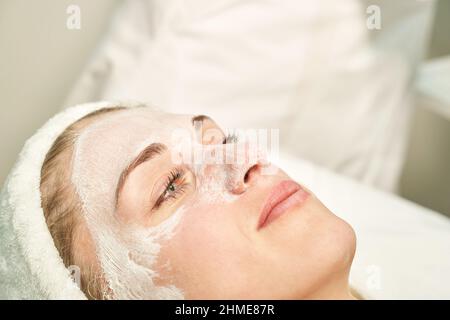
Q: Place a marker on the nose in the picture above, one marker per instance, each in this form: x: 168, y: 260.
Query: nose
x: 242, y: 178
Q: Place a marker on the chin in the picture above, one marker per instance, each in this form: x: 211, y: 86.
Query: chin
x: 339, y: 238
x: 334, y: 239
x: 343, y: 244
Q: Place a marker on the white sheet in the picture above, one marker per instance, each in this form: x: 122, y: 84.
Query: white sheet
x: 403, y: 250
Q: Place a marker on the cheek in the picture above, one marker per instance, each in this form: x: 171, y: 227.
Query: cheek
x: 211, y: 252
x: 204, y: 246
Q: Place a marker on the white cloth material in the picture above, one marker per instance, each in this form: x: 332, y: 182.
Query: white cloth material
x: 30, y: 265
x: 402, y: 248
x: 339, y: 92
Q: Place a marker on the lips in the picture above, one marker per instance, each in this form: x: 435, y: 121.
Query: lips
x: 284, y: 196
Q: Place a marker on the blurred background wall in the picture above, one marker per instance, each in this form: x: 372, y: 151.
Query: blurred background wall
x: 40, y: 60
x: 426, y: 174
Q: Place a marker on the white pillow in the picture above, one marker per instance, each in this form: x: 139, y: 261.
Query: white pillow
x: 305, y: 67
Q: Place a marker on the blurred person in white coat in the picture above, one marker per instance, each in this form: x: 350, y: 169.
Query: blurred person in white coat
x: 335, y: 80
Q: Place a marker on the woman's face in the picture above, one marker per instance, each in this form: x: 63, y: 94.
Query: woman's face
x: 243, y: 232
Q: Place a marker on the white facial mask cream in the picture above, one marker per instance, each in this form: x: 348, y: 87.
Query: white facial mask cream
x: 127, y: 253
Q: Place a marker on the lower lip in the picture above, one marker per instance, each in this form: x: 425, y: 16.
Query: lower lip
x: 294, y: 199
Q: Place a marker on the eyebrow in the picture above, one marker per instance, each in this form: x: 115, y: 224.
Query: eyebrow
x: 197, y: 122
x: 145, y: 155
x: 200, y: 118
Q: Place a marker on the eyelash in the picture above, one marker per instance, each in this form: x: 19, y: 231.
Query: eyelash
x: 230, y: 138
x: 175, y: 175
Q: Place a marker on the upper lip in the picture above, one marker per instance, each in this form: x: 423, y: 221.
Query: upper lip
x: 277, y: 194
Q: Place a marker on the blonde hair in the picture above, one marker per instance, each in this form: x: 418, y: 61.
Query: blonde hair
x: 62, y: 207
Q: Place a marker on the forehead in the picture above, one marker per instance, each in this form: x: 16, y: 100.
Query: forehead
x: 132, y: 126
x: 142, y: 118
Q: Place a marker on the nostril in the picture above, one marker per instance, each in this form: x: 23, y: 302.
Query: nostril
x: 246, y: 176
x: 249, y: 173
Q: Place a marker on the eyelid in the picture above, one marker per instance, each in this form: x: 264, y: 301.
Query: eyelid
x: 173, y: 176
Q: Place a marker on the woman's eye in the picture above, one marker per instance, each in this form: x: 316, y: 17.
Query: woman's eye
x: 171, y: 188
x: 175, y: 187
